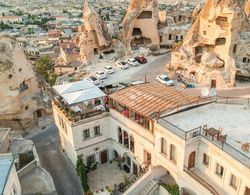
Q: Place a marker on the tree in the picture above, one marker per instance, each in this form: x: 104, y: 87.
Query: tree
x: 3, y: 14
x: 45, y: 67
x: 82, y: 172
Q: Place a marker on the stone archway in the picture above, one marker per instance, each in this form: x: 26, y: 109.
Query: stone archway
x: 191, y: 160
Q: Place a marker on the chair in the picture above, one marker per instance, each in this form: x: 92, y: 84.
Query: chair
x: 245, y: 147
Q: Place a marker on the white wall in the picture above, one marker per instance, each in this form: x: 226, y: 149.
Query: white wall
x: 12, y: 183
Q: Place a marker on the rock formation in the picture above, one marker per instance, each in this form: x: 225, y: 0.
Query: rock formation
x: 209, y: 50
x: 94, y: 36
x: 21, y: 97
x: 140, y: 24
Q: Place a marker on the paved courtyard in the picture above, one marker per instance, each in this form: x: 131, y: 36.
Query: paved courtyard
x: 105, y: 175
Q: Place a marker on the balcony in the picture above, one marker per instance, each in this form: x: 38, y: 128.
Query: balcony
x: 79, y: 112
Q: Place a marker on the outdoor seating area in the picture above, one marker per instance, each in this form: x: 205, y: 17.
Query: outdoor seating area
x: 79, y: 100
x: 214, y: 133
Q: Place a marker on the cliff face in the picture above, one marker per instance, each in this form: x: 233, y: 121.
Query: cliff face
x: 94, y: 35
x: 210, y: 47
x: 19, y: 92
x: 140, y: 24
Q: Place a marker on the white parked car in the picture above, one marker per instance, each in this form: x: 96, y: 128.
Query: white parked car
x: 123, y: 65
x: 109, y: 69
x: 164, y: 79
x: 132, y: 62
x: 100, y: 75
x: 93, y: 80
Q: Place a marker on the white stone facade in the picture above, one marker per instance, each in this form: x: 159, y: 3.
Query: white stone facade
x: 175, y: 158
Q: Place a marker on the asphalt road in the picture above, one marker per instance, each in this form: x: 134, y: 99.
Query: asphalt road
x: 56, y: 163
x: 155, y: 66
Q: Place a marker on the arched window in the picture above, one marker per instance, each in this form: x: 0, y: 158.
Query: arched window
x: 132, y: 144
x: 173, y: 155
x: 125, y: 139
x: 163, y: 146
x: 120, y: 135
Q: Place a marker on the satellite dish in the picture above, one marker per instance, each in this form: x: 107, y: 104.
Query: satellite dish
x: 204, y: 92
x: 213, y: 92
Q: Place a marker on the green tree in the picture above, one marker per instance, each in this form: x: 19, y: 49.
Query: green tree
x: 3, y: 14
x: 82, y: 172
x: 45, y: 67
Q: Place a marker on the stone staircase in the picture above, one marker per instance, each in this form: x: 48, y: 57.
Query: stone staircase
x: 152, y: 188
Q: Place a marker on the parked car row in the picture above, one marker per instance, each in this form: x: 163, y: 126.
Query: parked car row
x: 100, y: 75
x: 131, y: 62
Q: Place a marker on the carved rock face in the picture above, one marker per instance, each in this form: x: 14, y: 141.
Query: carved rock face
x: 19, y: 92
x: 140, y: 22
x: 213, y: 42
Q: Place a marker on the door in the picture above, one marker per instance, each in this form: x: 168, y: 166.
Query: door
x: 135, y: 169
x: 191, y: 160
x: 104, y: 157
x: 247, y: 191
x: 147, y: 158
x: 213, y: 83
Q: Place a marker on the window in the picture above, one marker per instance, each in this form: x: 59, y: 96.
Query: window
x: 233, y: 181
x: 97, y: 130
x: 23, y: 87
x: 219, y: 170
x: 204, y: 32
x: 205, y: 159
x: 163, y: 146
x: 244, y: 60
x: 90, y: 160
x: 173, y: 152
x: 86, y: 134
x: 170, y: 37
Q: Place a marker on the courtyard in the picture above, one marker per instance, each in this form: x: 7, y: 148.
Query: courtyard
x: 106, y: 175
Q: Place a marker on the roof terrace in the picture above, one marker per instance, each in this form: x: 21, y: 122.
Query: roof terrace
x: 79, y: 100
x: 226, y: 125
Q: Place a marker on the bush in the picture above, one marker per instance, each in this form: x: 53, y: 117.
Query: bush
x: 172, y: 189
x: 45, y: 67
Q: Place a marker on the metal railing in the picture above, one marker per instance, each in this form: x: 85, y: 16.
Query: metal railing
x: 201, y: 181
x: 187, y: 135
x: 122, y: 187
x: 232, y: 100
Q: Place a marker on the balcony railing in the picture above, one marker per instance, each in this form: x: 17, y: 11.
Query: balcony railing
x: 187, y: 135
x: 201, y: 181
x: 75, y: 117
x: 122, y: 187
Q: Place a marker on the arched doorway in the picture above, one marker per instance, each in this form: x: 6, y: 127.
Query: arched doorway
x: 191, y: 160
x: 115, y: 155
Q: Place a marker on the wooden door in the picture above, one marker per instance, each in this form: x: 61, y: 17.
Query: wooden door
x: 213, y: 83
x: 147, y: 157
x: 247, y: 191
x: 135, y: 169
x: 104, y: 157
x: 191, y: 160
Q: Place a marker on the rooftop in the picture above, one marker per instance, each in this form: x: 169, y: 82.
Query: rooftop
x: 149, y: 98
x: 232, y: 119
x: 6, y: 161
x: 78, y: 92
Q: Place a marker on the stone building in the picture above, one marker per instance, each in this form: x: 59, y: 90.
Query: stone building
x: 181, y: 138
x: 21, y: 96
x: 94, y: 37
x: 210, y: 49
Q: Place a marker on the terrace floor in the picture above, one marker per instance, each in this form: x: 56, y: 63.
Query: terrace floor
x: 106, y: 175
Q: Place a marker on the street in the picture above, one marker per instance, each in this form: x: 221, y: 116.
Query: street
x: 56, y: 163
